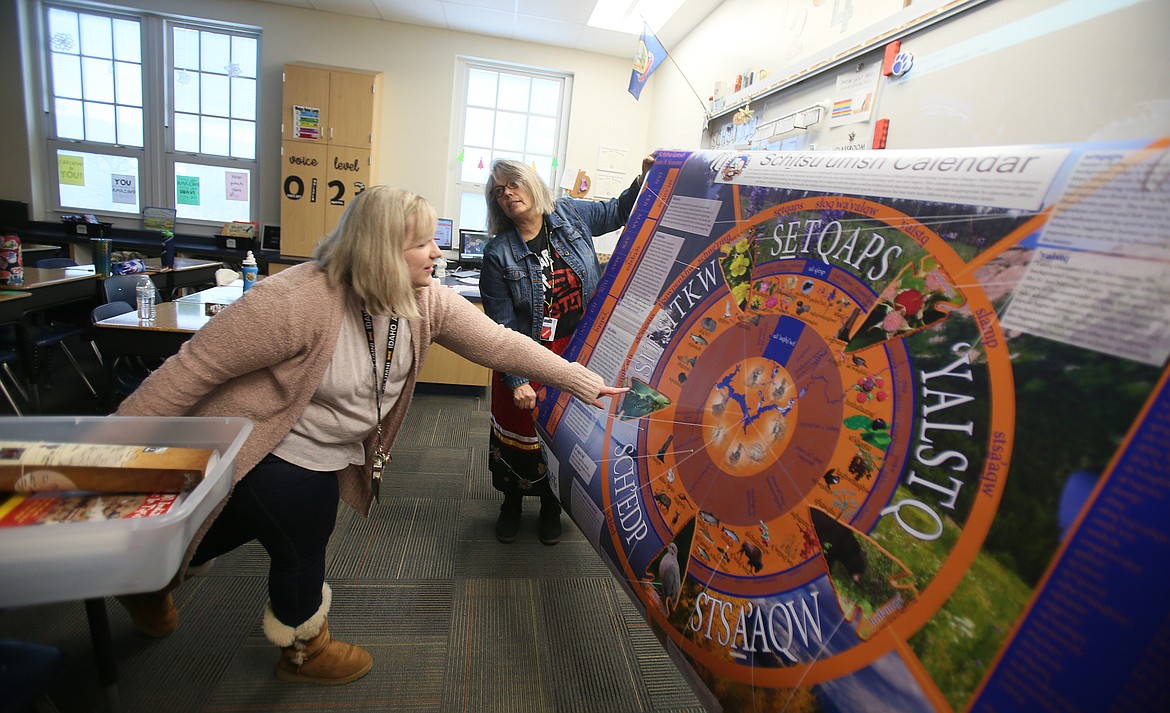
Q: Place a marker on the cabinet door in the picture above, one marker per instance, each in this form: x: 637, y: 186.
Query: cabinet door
x: 347, y: 174
x: 305, y: 115
x: 303, y: 197
x: 352, y: 100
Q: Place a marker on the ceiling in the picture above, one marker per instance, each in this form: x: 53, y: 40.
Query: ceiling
x: 560, y: 23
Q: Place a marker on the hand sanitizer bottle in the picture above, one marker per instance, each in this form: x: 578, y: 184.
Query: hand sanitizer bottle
x: 248, y: 267
x: 145, y: 292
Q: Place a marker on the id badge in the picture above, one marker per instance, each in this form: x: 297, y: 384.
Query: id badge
x: 379, y: 466
x: 548, y: 329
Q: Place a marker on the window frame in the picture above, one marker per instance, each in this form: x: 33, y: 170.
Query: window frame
x: 157, y: 157
x: 459, y: 186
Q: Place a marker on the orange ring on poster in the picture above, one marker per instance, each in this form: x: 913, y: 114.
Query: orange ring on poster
x: 1001, y: 412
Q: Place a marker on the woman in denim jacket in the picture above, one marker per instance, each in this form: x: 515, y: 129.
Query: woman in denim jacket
x: 540, y: 270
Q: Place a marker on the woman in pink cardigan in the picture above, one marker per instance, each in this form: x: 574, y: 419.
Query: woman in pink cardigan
x: 323, y: 358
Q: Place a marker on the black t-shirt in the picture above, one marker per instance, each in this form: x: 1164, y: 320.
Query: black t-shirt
x: 562, y: 287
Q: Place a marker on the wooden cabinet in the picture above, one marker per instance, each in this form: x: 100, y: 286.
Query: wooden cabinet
x: 329, y: 148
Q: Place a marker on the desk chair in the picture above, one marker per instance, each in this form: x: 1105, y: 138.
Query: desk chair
x: 124, y: 288
x: 224, y: 276
x: 41, y: 339
x: 6, y: 357
x: 124, y: 374
x: 26, y: 673
x: 56, y: 262
x: 68, y: 313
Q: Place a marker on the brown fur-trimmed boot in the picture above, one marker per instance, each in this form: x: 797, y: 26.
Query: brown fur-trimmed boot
x: 309, y: 654
x: 153, y: 613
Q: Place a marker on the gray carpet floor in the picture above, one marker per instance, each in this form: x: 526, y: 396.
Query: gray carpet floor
x: 455, y: 620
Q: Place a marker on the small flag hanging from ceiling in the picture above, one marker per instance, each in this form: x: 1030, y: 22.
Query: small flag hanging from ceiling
x: 650, y: 55
x: 481, y: 163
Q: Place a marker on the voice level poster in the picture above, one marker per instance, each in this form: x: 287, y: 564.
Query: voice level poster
x: 898, y: 428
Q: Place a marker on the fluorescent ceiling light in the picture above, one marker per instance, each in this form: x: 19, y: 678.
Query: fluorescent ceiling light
x: 628, y: 15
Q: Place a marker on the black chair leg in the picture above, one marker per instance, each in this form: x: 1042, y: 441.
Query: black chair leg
x: 8, y: 396
x: 78, y: 369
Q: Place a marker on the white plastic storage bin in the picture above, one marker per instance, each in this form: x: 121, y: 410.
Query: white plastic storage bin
x: 40, y: 564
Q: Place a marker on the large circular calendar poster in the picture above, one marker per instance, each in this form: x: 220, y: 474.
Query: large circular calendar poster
x: 818, y: 432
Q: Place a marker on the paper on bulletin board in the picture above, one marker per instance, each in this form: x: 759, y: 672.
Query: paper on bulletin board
x: 608, y: 184
x: 70, y: 170
x: 835, y: 444
x: 855, y: 95
x: 611, y: 159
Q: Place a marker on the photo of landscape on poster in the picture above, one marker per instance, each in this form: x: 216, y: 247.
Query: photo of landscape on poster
x: 897, y: 429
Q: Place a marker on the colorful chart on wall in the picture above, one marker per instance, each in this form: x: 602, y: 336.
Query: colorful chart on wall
x: 897, y: 434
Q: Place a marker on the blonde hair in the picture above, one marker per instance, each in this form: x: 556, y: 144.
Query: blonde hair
x: 505, y: 170
x: 365, y: 250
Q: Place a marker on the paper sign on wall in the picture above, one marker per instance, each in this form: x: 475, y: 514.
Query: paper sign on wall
x: 71, y: 170
x: 237, y: 185
x: 854, y: 96
x: 306, y: 122
x: 125, y: 188
x: 187, y: 190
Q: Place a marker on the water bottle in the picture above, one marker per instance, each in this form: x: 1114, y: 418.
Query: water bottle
x: 145, y: 290
x: 248, y: 267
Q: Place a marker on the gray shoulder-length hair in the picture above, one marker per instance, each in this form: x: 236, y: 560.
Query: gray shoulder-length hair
x: 505, y: 170
x: 365, y: 250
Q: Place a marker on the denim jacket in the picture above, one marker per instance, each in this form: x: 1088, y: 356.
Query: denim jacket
x: 509, y: 281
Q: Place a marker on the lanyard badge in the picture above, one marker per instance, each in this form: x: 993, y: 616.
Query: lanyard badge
x: 380, y: 461
x: 381, y: 457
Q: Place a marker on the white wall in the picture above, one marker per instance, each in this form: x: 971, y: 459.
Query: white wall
x: 419, y: 68
x: 1018, y: 71
x: 1004, y: 72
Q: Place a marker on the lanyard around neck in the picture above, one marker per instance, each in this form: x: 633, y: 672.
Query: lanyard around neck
x: 391, y: 338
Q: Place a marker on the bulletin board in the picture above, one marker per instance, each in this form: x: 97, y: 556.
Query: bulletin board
x: 897, y: 424
x: 988, y: 74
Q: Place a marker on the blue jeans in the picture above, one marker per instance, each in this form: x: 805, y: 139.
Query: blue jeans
x: 291, y: 511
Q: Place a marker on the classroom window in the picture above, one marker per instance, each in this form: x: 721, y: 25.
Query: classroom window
x: 507, y: 111
x: 146, y: 110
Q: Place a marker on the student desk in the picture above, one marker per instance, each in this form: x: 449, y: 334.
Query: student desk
x: 44, y: 288
x: 33, y: 252
x: 126, y: 336
x: 220, y: 294
x: 188, y: 272
x: 11, y: 306
x: 174, y: 323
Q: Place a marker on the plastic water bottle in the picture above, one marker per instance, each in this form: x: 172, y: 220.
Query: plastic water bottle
x: 250, y: 270
x: 145, y: 290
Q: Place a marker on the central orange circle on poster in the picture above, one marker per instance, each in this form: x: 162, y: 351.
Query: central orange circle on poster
x: 749, y: 416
